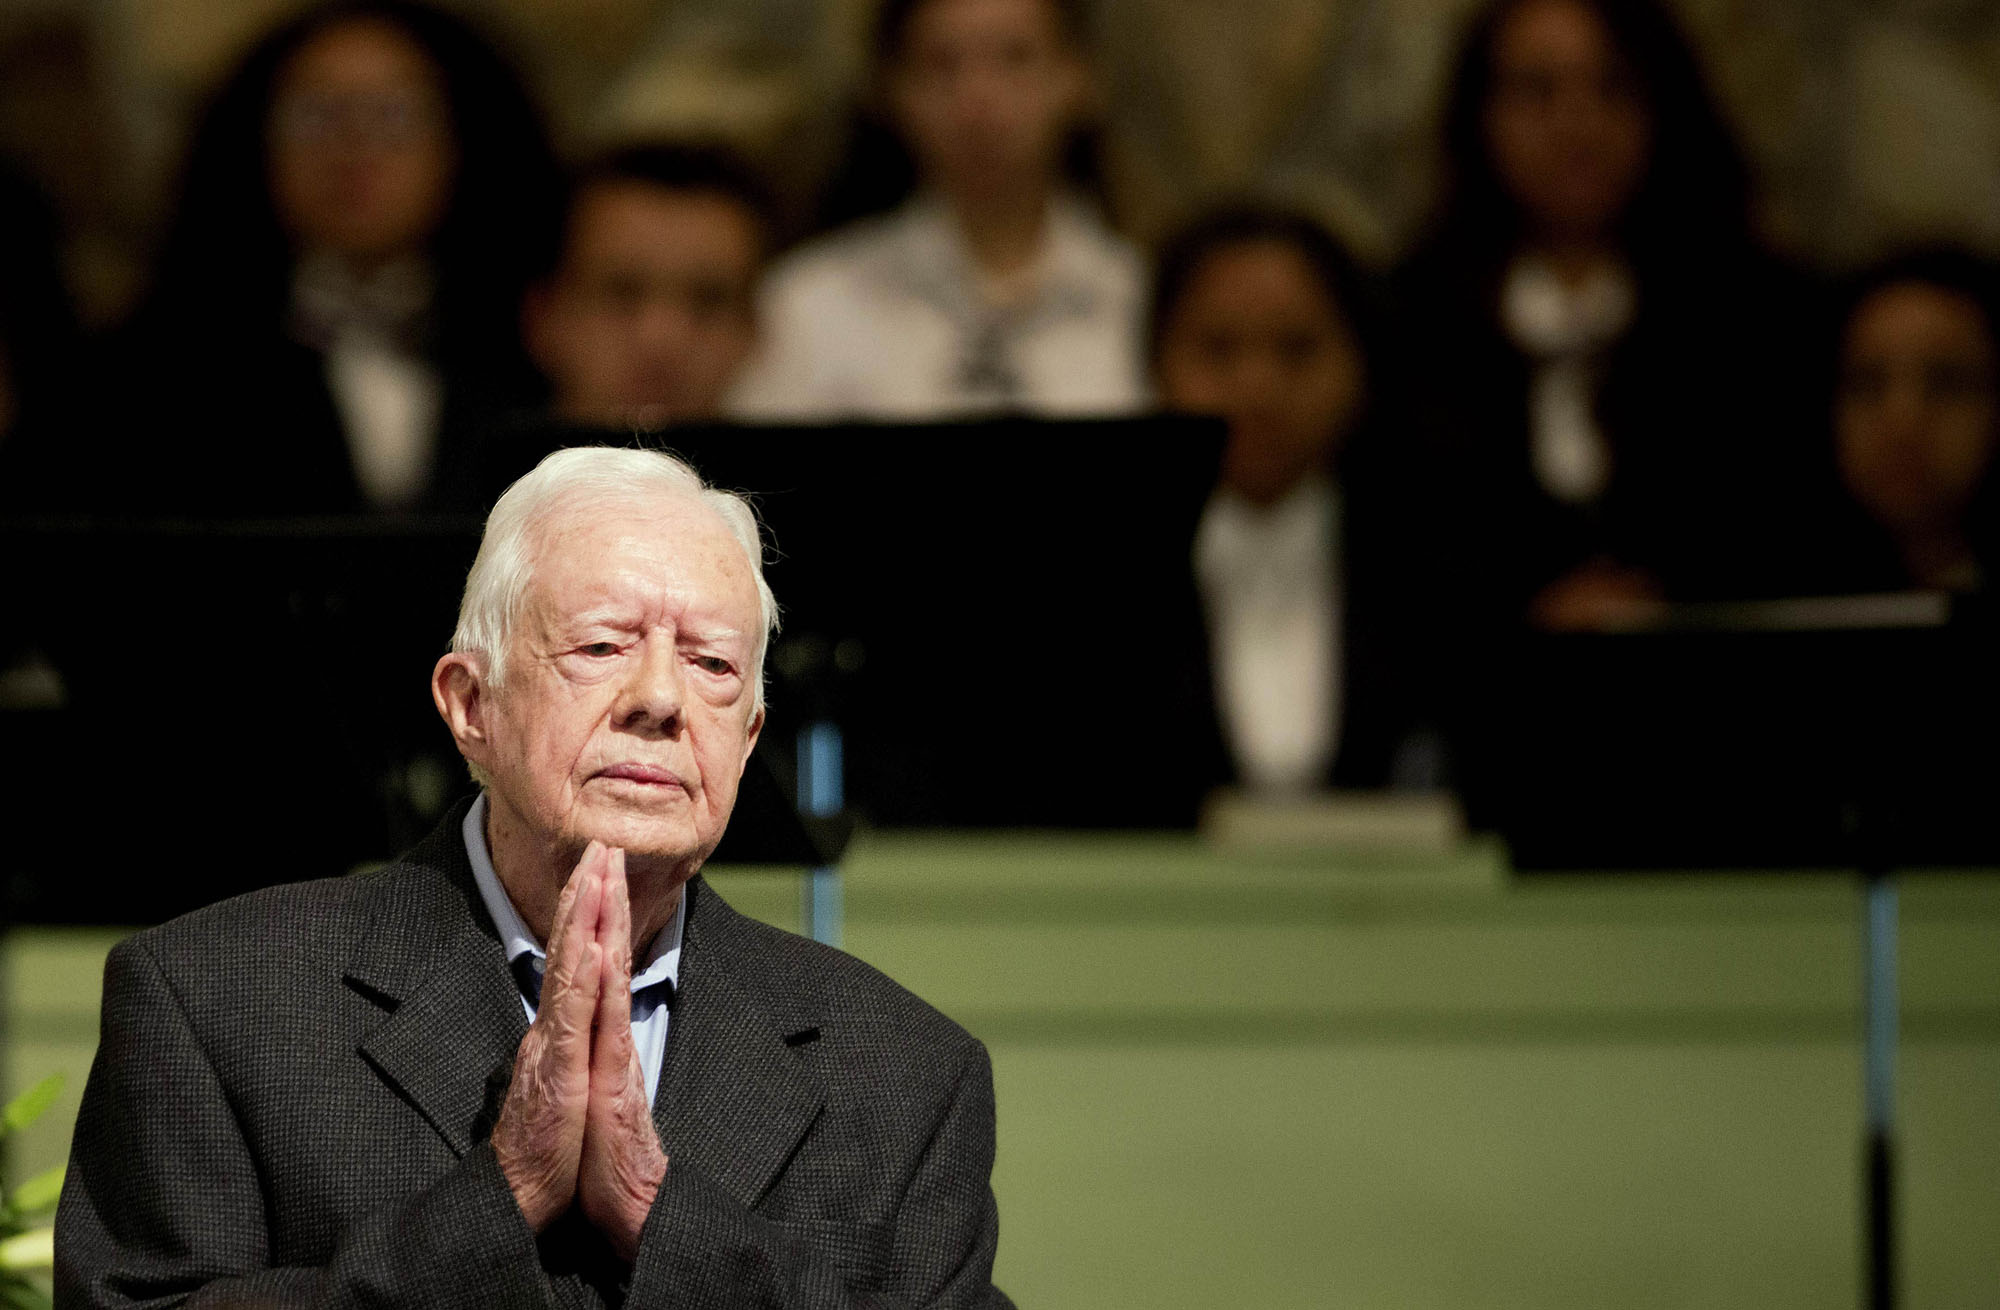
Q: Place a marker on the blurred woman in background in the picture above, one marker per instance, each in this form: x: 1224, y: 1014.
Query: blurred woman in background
x: 1622, y: 391
x: 334, y: 312
x: 1916, y: 419
x: 1261, y: 318
x: 992, y: 284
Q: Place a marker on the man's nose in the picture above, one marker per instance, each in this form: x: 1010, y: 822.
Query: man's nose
x: 663, y: 324
x: 652, y: 695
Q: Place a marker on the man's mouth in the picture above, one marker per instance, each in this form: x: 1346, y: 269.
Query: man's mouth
x: 651, y: 775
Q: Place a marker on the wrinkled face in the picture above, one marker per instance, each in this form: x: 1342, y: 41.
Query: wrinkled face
x: 985, y: 91
x: 1917, y: 415
x: 1567, y: 127
x: 626, y: 715
x: 650, y: 317
x: 1255, y: 341
x: 359, y: 143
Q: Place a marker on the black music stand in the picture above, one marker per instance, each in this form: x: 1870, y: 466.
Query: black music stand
x: 953, y: 585
x: 1846, y: 732
x: 234, y: 685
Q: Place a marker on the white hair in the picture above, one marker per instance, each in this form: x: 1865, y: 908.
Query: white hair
x: 497, y: 586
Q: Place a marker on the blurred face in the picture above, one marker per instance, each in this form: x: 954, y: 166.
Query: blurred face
x: 1916, y: 418
x: 360, y: 147
x: 1567, y: 128
x: 626, y: 716
x: 985, y: 91
x: 1255, y: 341
x: 650, y: 317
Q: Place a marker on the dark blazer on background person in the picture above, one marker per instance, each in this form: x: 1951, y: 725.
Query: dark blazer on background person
x: 1705, y: 403
x: 246, y: 426
x: 294, y: 1090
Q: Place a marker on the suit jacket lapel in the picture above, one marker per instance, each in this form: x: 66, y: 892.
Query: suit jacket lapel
x: 734, y: 1099
x: 432, y: 960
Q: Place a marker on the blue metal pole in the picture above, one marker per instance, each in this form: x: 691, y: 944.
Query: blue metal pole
x: 821, y: 795
x: 1879, y: 1038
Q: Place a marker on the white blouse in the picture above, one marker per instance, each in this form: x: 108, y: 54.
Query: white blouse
x: 1271, y: 590
x: 887, y: 320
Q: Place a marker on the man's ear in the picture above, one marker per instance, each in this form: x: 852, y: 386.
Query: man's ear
x: 458, y: 689
x: 756, y: 727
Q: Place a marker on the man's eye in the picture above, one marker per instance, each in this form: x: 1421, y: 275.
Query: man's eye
x: 599, y: 649
x: 715, y: 664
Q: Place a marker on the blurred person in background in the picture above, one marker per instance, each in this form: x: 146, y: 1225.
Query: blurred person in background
x: 1261, y: 318
x: 334, y: 312
x: 649, y: 312
x: 1916, y: 418
x: 992, y: 284
x: 1623, y: 395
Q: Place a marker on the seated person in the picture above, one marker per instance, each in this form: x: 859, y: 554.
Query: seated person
x: 992, y: 285
x: 331, y: 324
x: 1623, y: 397
x: 1260, y: 317
x: 538, y: 1061
x: 649, y: 312
x: 1916, y: 418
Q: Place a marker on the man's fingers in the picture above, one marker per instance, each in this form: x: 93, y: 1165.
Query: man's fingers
x: 614, y: 922
x: 566, y: 901
x: 612, y: 1049
x: 570, y: 1010
x: 612, y: 1053
x: 576, y: 919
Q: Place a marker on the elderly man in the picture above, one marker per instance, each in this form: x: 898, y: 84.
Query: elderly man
x: 538, y: 1061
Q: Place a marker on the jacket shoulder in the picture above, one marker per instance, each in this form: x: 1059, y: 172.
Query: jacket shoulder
x: 270, y: 942
x: 808, y: 983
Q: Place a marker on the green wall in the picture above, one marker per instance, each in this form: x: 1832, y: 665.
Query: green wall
x: 1365, y: 1081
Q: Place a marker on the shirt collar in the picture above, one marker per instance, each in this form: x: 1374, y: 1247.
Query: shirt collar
x: 928, y: 253
x: 662, y: 958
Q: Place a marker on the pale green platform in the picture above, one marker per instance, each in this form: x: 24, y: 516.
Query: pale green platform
x: 1363, y: 1082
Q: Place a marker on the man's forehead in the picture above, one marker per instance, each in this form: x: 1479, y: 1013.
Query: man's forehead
x: 618, y: 211
x: 588, y: 546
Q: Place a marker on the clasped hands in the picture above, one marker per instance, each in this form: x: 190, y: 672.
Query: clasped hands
x: 576, y: 1127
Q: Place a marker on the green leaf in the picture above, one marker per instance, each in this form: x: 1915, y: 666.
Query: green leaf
x: 34, y: 1249
x: 16, y: 1293
x: 39, y: 1192
x: 29, y: 1105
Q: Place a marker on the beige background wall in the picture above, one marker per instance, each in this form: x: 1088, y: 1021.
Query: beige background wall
x: 1870, y: 120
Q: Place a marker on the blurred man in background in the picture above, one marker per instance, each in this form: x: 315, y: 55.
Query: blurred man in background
x: 649, y: 312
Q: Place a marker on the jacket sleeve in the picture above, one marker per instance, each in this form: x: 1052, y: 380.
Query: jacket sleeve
x: 701, y: 1248
x: 163, y: 1204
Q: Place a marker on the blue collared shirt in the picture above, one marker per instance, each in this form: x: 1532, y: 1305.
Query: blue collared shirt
x: 650, y: 1014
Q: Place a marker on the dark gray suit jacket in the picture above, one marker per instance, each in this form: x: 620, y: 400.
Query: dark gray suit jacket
x: 294, y: 1089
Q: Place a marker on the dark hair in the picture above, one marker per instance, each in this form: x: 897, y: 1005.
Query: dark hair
x: 705, y: 167
x: 1244, y: 223
x: 877, y: 172
x: 227, y: 260
x: 892, y: 25
x: 1946, y: 268
x: 1694, y: 197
